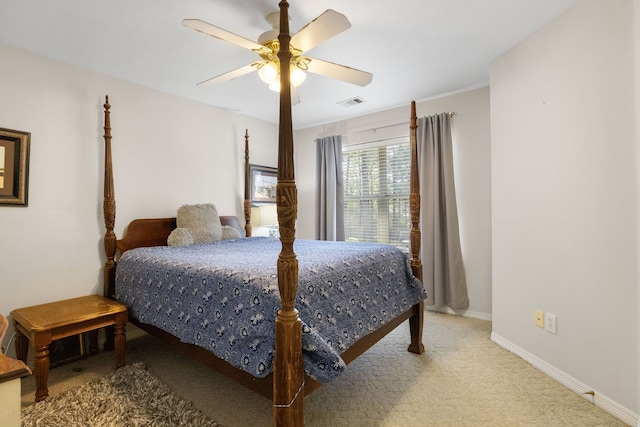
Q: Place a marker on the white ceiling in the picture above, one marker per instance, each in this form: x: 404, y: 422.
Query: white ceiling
x: 416, y: 49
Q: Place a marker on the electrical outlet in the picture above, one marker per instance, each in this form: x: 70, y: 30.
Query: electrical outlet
x: 550, y: 323
x: 538, y: 316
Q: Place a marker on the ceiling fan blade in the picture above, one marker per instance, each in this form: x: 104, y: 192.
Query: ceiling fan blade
x: 239, y: 72
x: 325, y: 26
x: 219, y: 33
x: 295, y: 95
x: 340, y: 72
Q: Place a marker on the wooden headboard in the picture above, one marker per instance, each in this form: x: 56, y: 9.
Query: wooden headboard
x: 155, y: 231
x: 147, y: 232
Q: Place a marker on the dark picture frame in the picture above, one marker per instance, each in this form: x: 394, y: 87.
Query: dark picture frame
x: 14, y: 167
x: 264, y: 180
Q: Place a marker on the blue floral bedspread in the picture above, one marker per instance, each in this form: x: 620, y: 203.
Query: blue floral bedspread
x: 223, y: 296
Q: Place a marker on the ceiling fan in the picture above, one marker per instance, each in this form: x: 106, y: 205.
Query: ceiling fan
x: 327, y: 25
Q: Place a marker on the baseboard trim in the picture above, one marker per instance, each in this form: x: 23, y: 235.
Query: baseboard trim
x: 598, y: 399
x: 463, y: 313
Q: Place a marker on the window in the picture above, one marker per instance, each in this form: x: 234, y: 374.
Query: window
x: 376, y: 194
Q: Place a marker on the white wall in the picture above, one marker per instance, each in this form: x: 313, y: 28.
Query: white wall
x: 565, y: 200
x: 471, y: 139
x: 636, y: 56
x: 167, y: 151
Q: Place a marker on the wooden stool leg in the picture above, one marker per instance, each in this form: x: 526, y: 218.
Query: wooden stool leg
x: 41, y: 371
x: 22, y: 346
x: 108, y: 342
x: 120, y: 339
x: 93, y: 342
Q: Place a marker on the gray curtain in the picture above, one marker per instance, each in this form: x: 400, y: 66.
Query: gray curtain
x: 329, y: 189
x: 444, y: 276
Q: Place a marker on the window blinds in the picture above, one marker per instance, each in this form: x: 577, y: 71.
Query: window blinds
x: 376, y: 183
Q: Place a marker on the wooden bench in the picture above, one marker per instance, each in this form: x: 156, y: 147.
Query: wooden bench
x: 41, y: 324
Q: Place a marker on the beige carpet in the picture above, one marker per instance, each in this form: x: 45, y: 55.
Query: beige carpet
x: 462, y: 379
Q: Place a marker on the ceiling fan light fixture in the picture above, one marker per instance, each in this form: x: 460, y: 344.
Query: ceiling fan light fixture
x: 297, y: 76
x: 275, y: 85
x: 269, y: 72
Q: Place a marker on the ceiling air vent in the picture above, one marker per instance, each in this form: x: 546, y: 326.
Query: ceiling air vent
x: 352, y: 101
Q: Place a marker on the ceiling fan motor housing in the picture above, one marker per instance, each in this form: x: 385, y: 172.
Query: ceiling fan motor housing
x: 272, y: 35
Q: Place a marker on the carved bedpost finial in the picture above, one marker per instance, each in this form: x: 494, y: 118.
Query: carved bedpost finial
x: 247, y: 187
x: 414, y: 197
x: 109, y: 207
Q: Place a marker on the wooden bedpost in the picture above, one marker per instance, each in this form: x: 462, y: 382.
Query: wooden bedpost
x: 109, y: 208
x: 416, y: 320
x: 109, y: 211
x: 288, y: 370
x: 247, y: 186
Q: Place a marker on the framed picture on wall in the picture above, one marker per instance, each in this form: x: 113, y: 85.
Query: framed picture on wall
x: 14, y: 167
x: 264, y: 181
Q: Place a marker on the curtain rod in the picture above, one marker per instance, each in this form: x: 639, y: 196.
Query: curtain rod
x: 375, y: 129
x: 377, y: 140
x: 450, y: 113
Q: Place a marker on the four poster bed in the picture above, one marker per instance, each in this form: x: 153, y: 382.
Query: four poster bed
x: 276, y: 324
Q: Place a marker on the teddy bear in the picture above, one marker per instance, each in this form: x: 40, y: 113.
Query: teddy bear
x: 199, y: 223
